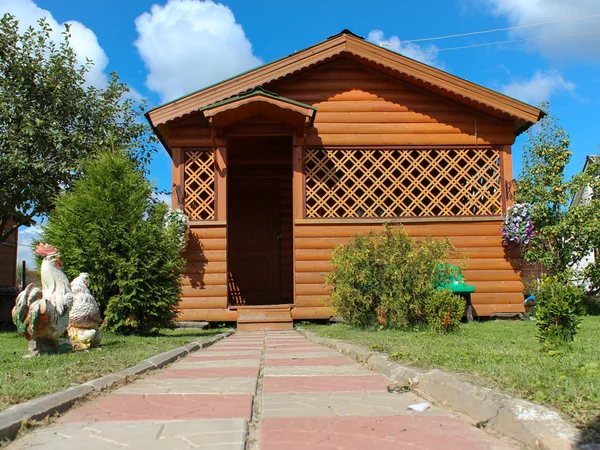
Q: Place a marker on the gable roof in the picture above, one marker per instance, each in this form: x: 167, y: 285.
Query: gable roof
x: 579, y: 194
x: 347, y: 44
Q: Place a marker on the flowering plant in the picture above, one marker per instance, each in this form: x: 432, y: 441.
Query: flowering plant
x: 176, y: 220
x: 517, y: 228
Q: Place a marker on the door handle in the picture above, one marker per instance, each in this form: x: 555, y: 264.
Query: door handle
x: 278, y: 235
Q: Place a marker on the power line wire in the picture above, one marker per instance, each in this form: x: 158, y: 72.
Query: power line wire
x: 500, y: 29
x: 509, y: 42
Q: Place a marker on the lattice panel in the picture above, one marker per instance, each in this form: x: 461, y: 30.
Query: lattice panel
x: 402, y: 183
x: 200, y: 184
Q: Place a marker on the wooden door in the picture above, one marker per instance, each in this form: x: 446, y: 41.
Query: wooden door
x: 254, y: 241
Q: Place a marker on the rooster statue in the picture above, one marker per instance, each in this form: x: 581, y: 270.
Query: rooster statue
x: 43, y: 315
x: 84, y: 317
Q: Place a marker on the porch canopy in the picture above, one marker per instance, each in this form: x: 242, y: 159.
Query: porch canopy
x: 259, y: 102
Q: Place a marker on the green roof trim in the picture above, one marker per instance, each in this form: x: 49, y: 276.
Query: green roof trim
x: 257, y: 91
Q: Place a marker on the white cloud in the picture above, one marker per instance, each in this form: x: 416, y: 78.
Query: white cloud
x: 83, y: 40
x: 24, y: 251
x: 539, y: 87
x: 525, y: 12
x: 427, y: 55
x: 189, y: 44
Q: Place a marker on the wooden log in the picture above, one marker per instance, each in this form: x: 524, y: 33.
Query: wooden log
x: 406, y: 128
x: 207, y: 244
x: 404, y: 139
x: 207, y: 291
x: 312, y: 289
x: 205, y: 267
x: 310, y: 277
x: 323, y: 312
x: 494, y: 286
x: 210, y: 315
x: 313, y: 266
x: 304, y: 301
x: 399, y: 117
x: 208, y: 232
x: 202, y: 302
x: 491, y: 275
x: 488, y: 298
x: 457, y: 241
x: 313, y: 255
x: 434, y: 230
x: 205, y: 255
x: 201, y: 280
x: 488, y: 310
x: 488, y: 264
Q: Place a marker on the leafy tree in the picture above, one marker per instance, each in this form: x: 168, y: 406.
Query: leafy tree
x: 51, y: 121
x: 563, y: 234
x: 109, y: 226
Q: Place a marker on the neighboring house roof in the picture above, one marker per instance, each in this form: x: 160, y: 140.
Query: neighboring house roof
x: 579, y: 194
x: 347, y: 44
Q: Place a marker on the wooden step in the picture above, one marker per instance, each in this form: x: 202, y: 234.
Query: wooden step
x: 264, y: 317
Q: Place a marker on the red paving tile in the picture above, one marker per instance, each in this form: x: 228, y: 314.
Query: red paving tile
x: 209, y: 372
x: 133, y: 407
x: 380, y: 433
x: 201, y: 357
x: 292, y: 351
x: 325, y: 361
x: 342, y: 383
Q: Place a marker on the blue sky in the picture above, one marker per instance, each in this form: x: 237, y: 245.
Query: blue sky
x: 168, y: 48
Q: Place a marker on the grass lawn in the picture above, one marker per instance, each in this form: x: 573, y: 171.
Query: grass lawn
x: 23, y: 379
x: 501, y: 354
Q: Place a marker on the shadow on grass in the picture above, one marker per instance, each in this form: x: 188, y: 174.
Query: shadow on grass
x: 590, y: 434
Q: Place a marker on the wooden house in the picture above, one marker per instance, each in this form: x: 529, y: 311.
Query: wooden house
x: 277, y: 166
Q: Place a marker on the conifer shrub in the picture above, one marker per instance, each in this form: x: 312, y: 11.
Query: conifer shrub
x: 109, y: 225
x: 444, y: 311
x: 558, y: 307
x: 386, y: 279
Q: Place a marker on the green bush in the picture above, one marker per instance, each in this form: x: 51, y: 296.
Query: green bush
x: 109, y: 226
x: 386, y: 279
x: 557, y: 311
x: 444, y: 311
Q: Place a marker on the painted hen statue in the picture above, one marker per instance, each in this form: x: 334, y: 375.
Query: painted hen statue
x: 43, y: 315
x: 84, y: 318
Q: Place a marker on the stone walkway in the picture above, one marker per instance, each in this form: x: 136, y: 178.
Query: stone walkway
x: 267, y: 391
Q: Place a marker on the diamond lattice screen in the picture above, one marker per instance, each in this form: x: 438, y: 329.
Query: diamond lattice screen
x: 200, y: 184
x: 402, y: 183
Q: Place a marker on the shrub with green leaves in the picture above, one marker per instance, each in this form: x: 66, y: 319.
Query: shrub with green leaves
x: 386, y: 279
x: 557, y: 312
x: 109, y: 226
x: 444, y: 311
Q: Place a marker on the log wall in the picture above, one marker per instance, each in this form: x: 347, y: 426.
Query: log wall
x: 493, y: 271
x: 204, y: 292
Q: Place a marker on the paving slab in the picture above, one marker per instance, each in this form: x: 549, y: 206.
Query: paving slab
x: 381, y: 433
x: 210, y: 372
x: 220, y: 434
x: 317, y: 371
x: 324, y: 404
x: 203, y: 357
x: 212, y: 352
x: 297, y: 362
x: 190, y: 363
x: 373, y: 383
x: 293, y: 351
x: 138, y: 407
x: 155, y: 385
x: 287, y: 355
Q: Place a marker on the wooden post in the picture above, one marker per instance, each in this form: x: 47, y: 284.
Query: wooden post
x: 221, y: 183
x: 506, y: 174
x: 298, y: 180
x: 177, y: 177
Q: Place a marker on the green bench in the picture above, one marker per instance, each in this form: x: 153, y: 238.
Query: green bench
x: 457, y: 285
